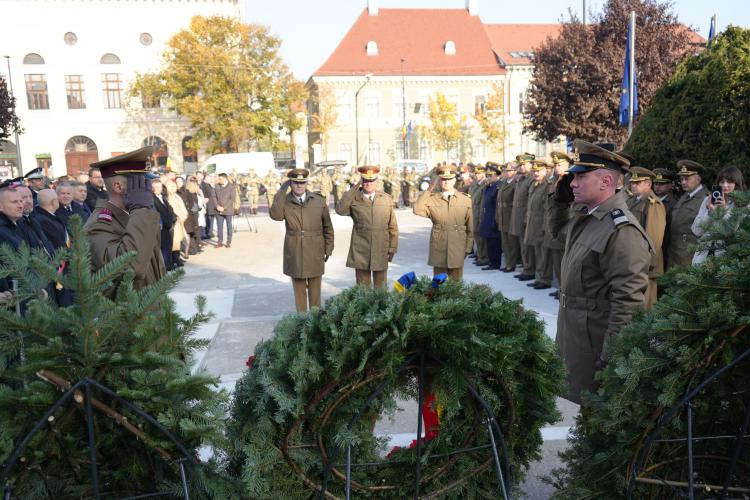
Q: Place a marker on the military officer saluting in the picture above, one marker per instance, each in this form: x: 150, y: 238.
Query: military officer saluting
x: 681, y: 236
x: 309, y: 237
x: 127, y: 221
x: 452, y: 228
x: 605, y: 264
x: 650, y: 213
x: 554, y: 246
x: 518, y: 215
x: 375, y: 232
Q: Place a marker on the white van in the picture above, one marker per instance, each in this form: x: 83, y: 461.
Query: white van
x: 241, y: 163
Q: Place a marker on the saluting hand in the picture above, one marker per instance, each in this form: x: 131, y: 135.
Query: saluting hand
x: 563, y: 191
x: 433, y: 185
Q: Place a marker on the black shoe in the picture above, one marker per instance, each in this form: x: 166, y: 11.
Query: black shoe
x: 534, y: 284
x: 526, y: 277
x: 490, y: 268
x: 508, y: 270
x: 517, y: 275
x: 556, y: 295
x: 477, y: 263
x: 541, y: 286
x: 553, y: 294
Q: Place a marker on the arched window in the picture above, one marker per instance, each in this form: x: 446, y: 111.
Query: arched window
x: 161, y: 150
x: 372, y: 48
x: 80, y: 144
x: 189, y: 155
x: 33, y: 58
x: 450, y: 48
x: 109, y: 58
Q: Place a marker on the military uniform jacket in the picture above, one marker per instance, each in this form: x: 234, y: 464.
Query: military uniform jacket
x: 488, y: 222
x: 452, y: 227
x: 520, y: 205
x: 669, y: 201
x: 535, y: 213
x: 681, y: 235
x: 375, y: 231
x: 650, y: 213
x: 476, y: 192
x: 309, y: 233
x: 603, y: 279
x: 505, y: 204
x: 113, y: 232
x: 554, y: 242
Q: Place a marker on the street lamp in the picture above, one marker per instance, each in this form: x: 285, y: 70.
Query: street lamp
x: 356, y: 116
x: 405, y: 133
x: 19, y: 166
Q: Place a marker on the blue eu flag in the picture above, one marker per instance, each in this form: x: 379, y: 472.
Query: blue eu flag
x: 625, y: 88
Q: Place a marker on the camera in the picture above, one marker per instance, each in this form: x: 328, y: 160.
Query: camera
x: 716, y: 193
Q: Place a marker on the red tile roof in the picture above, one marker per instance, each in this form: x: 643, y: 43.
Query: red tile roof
x: 512, y: 43
x: 419, y: 36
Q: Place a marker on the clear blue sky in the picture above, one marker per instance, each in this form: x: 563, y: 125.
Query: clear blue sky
x: 311, y: 29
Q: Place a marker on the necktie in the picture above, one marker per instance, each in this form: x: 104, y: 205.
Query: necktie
x: 300, y: 200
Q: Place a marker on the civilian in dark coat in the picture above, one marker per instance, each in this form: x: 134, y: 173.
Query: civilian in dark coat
x: 487, y: 224
x: 168, y: 218
x: 95, y: 189
x: 210, y: 196
x: 226, y: 194
x: 80, y: 193
x: 189, y: 194
x: 52, y: 226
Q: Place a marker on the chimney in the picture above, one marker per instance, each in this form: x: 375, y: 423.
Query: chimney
x: 473, y: 7
x: 372, y: 7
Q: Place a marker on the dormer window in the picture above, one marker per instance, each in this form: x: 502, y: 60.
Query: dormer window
x: 372, y: 48
x: 450, y: 48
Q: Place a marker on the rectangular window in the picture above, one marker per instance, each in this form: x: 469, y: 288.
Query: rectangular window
x: 345, y: 152
x: 453, y: 99
x: 373, y: 153
x: 36, y: 91
x: 521, y: 100
x: 480, y: 150
x: 480, y: 104
x: 112, y: 89
x: 75, y: 92
x: 343, y: 112
x: 400, y: 148
x: 398, y: 107
x: 424, y: 150
x: 372, y: 103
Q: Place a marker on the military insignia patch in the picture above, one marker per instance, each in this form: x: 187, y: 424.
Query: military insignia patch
x: 105, y: 215
x: 618, y: 217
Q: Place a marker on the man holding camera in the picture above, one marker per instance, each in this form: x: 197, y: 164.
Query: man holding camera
x: 127, y: 220
x: 681, y: 235
x: 375, y: 232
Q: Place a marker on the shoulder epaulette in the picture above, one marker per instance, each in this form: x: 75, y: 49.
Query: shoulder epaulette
x: 618, y: 217
x: 105, y: 215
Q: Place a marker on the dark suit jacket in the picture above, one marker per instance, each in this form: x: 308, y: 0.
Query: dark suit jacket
x: 93, y: 193
x: 52, y: 226
x: 210, y: 195
x: 81, y: 209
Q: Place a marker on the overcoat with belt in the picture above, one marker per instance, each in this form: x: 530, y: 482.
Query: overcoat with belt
x: 604, y: 276
x: 535, y: 213
x: 476, y: 191
x: 505, y: 204
x: 452, y: 227
x: 375, y: 231
x: 309, y: 233
x: 520, y: 205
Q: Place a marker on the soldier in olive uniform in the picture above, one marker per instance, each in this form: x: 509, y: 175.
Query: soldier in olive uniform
x: 518, y: 217
x: 650, y: 213
x: 488, y: 217
x: 375, y: 231
x: 554, y: 246
x: 605, y: 264
x: 452, y: 228
x: 253, y: 182
x: 326, y: 185
x: 395, y: 179
x: 511, y: 243
x: 271, y: 183
x: 127, y: 220
x: 663, y: 187
x: 535, y: 215
x: 476, y: 192
x: 309, y: 237
x: 412, y: 181
x: 680, y: 236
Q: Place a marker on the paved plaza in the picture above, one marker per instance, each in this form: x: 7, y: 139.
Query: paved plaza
x: 248, y: 293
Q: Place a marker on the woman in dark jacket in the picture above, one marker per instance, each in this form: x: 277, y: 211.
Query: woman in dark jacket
x: 189, y: 194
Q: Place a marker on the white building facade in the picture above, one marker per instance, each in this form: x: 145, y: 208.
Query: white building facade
x: 71, y: 63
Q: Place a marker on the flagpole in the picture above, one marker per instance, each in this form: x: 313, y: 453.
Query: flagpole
x: 631, y: 74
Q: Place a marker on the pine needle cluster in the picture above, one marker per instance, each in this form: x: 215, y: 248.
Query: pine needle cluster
x: 136, y: 345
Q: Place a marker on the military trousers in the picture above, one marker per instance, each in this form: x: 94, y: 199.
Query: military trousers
x: 482, y: 256
x: 454, y: 273
x: 253, y: 199
x: 367, y: 277
x: 650, y: 296
x: 306, y: 290
x: 555, y: 256
x: 543, y: 264
x: 511, y: 246
x: 528, y: 257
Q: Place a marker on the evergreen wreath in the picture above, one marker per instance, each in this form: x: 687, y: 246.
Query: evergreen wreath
x: 292, y: 407
x: 699, y: 326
